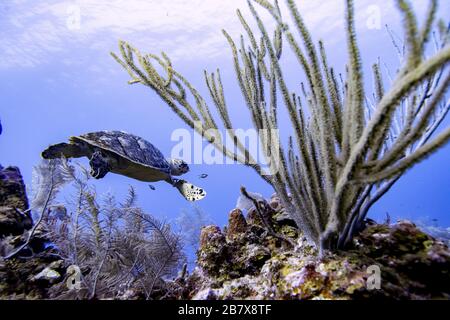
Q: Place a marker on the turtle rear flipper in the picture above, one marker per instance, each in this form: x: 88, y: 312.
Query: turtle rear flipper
x: 67, y: 150
x: 189, y: 191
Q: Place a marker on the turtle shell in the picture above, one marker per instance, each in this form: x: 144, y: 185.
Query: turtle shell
x: 128, y: 146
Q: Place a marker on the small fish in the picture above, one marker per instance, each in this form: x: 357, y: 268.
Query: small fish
x: 152, y: 187
x: 203, y: 176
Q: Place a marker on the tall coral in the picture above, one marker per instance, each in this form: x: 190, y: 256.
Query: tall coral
x: 347, y: 150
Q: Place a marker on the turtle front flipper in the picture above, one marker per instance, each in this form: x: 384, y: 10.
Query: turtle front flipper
x: 68, y: 150
x: 100, y: 165
x: 189, y: 191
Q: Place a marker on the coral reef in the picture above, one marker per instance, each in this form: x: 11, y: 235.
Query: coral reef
x: 245, y: 262
x: 36, y: 278
x: 13, y: 203
x: 348, y: 147
x: 24, y: 276
x: 89, y: 251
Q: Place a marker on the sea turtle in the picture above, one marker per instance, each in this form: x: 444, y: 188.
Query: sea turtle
x: 126, y: 154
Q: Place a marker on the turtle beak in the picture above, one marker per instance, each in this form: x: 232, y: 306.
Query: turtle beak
x: 94, y: 174
x: 98, y: 174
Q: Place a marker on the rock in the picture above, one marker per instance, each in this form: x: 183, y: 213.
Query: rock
x: 32, y: 278
x: 13, y: 203
x: 129, y: 294
x: 275, y: 203
x: 212, y: 248
x: 408, y: 263
x: 305, y: 283
x: 206, y: 294
x: 34, y: 272
x: 211, y: 235
x: 253, y: 218
x: 253, y: 258
x: 47, y: 274
x: 236, y: 224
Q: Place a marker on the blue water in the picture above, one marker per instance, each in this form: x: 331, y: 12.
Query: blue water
x: 58, y: 80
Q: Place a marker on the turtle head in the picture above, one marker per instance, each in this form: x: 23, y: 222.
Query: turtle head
x: 178, y: 167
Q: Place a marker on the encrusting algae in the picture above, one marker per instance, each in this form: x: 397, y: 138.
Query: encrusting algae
x: 247, y: 263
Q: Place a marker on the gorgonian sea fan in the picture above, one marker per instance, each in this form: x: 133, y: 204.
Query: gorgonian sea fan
x: 347, y: 149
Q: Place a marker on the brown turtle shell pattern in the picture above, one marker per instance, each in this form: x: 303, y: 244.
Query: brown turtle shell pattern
x: 129, y: 146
